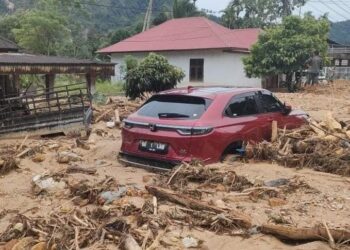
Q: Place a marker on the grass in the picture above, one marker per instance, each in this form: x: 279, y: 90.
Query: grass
x: 109, y: 89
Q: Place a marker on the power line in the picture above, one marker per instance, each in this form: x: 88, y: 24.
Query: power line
x: 329, y: 6
x: 121, y: 7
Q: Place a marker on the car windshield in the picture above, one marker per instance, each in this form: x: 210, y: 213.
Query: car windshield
x: 175, y: 107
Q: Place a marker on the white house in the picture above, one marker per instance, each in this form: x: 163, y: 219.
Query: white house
x: 207, y: 52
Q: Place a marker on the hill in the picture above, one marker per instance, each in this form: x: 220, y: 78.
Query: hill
x: 103, y: 15
x: 340, y: 32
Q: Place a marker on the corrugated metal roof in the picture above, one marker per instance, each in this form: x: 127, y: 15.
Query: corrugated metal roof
x: 28, y: 59
x: 187, y: 34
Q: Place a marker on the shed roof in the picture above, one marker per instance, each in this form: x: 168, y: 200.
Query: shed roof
x: 191, y: 33
x: 7, y: 45
x: 40, y: 64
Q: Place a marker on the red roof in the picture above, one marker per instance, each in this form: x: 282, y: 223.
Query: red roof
x: 191, y: 33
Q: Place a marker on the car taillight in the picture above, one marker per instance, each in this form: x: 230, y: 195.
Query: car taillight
x: 194, y: 131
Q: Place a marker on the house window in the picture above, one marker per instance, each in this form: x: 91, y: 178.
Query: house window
x: 344, y: 62
x: 196, y: 70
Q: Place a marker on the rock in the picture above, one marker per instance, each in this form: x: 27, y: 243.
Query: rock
x: 276, y: 182
x: 110, y: 196
x: 39, y: 246
x: 47, y: 183
x: 2, y: 162
x: 38, y: 158
x: 110, y: 124
x: 66, y: 157
x: 19, y: 227
x: 190, y: 242
x: 277, y: 202
x: 23, y: 244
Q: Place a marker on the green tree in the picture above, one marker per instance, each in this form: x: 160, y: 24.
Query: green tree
x: 153, y: 74
x: 8, y: 23
x: 184, y: 8
x: 120, y: 35
x: 160, y: 18
x: 285, y: 48
x: 257, y: 13
x: 42, y: 31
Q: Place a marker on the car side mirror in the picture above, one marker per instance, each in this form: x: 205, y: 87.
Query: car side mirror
x: 286, y: 109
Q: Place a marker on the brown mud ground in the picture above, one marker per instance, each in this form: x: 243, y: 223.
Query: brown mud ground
x: 324, y: 198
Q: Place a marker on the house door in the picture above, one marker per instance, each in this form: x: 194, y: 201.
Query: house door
x: 196, y: 70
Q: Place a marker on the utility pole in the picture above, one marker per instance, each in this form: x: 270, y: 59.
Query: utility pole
x: 148, y: 16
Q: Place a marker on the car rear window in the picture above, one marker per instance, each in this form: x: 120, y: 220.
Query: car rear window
x: 175, y: 107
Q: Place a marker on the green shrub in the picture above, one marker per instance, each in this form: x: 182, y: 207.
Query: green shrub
x: 153, y: 74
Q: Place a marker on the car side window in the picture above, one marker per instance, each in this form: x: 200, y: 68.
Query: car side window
x: 242, y: 106
x: 270, y: 104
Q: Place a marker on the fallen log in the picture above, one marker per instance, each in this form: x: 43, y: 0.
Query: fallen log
x: 239, y: 218
x: 99, y: 118
x: 76, y: 169
x: 307, y: 234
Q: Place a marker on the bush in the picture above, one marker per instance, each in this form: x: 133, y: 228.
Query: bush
x: 153, y: 74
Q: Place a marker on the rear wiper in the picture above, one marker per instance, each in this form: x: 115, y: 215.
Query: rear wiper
x: 172, y: 115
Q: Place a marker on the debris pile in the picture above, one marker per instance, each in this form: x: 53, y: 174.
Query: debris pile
x: 104, y: 212
x: 8, y: 161
x: 68, y: 230
x: 323, y: 146
x: 115, y: 110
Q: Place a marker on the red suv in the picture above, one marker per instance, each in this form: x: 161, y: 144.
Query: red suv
x: 202, y: 123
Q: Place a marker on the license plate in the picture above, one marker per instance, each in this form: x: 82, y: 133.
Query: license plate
x: 154, y: 147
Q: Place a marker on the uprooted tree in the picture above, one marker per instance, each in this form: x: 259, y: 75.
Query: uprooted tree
x: 285, y: 48
x: 153, y: 74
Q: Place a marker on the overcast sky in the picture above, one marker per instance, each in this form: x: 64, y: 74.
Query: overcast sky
x: 339, y: 10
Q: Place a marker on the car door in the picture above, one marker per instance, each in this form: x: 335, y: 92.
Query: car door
x: 271, y: 109
x: 240, y: 118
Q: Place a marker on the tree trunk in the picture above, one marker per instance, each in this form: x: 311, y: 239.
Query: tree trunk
x: 308, y: 234
x: 166, y: 194
x: 289, y: 81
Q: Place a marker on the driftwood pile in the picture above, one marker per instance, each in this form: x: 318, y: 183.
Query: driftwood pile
x: 116, y: 109
x: 129, y: 227
x: 323, y: 146
x: 198, y: 176
x: 73, y: 230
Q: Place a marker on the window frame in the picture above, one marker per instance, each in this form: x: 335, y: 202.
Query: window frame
x: 190, y: 67
x: 252, y: 94
x: 207, y: 103
x: 260, y: 103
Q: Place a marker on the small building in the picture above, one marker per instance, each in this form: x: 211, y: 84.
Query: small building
x: 50, y: 109
x: 206, y: 51
x: 340, y: 60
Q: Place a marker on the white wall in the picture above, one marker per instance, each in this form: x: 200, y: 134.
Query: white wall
x: 220, y: 68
